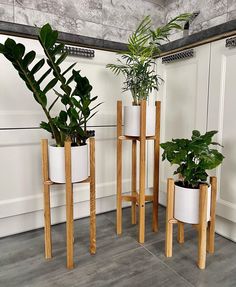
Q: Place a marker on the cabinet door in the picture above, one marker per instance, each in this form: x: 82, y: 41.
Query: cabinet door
x: 184, y: 103
x: 222, y: 117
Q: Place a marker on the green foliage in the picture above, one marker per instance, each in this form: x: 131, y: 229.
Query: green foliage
x: 137, y: 64
x: 71, y: 121
x: 193, y: 156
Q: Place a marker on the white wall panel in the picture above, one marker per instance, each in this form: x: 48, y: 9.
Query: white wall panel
x: 184, y: 97
x: 222, y: 117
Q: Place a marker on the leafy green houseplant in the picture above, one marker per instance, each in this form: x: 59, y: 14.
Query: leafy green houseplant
x: 70, y: 122
x: 193, y: 158
x: 71, y: 90
x: 138, y: 66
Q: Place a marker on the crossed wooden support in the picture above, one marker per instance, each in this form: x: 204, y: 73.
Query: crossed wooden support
x: 138, y: 198
x: 69, y: 202
x: 206, y: 230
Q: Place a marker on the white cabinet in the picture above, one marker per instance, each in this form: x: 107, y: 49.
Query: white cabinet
x: 222, y: 117
x: 184, y: 95
x: 199, y: 93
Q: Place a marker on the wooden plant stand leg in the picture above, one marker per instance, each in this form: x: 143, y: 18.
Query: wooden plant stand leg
x: 142, y: 172
x: 134, y: 179
x: 169, y: 217
x: 211, y: 223
x: 119, y: 170
x: 180, y: 237
x: 69, y: 208
x: 156, y: 169
x: 92, y: 198
x: 202, y: 233
x: 46, y: 196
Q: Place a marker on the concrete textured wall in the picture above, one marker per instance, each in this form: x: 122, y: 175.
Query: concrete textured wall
x: 105, y: 19
x: 113, y: 19
x: 212, y: 13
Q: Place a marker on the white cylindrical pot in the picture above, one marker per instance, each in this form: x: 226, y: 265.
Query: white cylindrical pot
x: 79, y: 163
x: 186, y: 204
x: 132, y: 120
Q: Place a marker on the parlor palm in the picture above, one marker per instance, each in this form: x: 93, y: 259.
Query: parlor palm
x: 137, y: 63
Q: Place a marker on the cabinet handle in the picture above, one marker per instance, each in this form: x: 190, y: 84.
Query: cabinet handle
x: 230, y: 42
x: 178, y: 56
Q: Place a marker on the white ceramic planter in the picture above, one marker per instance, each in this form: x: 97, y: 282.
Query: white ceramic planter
x: 79, y: 163
x: 132, y: 120
x: 186, y: 204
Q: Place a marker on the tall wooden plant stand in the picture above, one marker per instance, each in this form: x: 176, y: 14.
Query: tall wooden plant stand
x: 47, y: 183
x: 206, y: 230
x: 138, y: 198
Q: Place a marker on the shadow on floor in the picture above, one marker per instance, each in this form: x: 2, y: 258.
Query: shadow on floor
x: 120, y: 261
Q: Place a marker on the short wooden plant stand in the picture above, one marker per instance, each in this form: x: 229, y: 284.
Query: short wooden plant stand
x: 138, y: 197
x: 206, y: 230
x: 47, y: 183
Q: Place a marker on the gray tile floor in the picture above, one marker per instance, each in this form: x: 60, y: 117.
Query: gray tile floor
x: 120, y: 261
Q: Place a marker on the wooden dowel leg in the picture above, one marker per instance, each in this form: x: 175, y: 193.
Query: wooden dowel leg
x: 180, y: 237
x: 211, y: 223
x: 69, y: 208
x: 156, y: 169
x: 142, y: 168
x: 134, y: 173
x: 169, y: 217
x: 202, y: 233
x: 46, y: 196
x: 119, y: 170
x: 92, y: 198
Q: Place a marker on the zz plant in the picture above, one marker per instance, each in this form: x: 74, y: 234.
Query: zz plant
x: 193, y: 157
x: 71, y: 89
x: 137, y: 64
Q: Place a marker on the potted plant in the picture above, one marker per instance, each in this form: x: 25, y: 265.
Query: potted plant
x: 69, y: 88
x: 193, y: 157
x: 138, y: 67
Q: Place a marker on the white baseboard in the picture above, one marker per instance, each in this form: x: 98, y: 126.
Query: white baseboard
x: 226, y: 228
x: 34, y: 220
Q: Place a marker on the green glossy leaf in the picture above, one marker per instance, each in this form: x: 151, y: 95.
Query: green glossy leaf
x: 63, y: 116
x: 46, y: 126
x: 18, y: 51
x: 37, y: 67
x: 50, y: 85
x: 65, y: 100
x: 44, y: 76
x: 68, y: 69
x: 10, y: 44
x: 28, y: 59
x: 61, y: 58
x: 193, y: 157
x: 45, y: 32
x: 2, y: 48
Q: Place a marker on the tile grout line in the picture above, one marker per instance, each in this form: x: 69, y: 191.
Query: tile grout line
x: 185, y: 280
